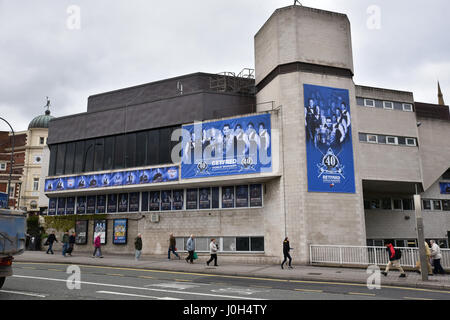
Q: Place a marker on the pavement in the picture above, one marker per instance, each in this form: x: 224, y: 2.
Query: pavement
x: 266, y: 271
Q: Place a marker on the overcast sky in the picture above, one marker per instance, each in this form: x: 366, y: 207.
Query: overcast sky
x: 124, y: 43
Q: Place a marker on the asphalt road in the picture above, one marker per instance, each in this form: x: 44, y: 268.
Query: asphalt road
x: 38, y: 281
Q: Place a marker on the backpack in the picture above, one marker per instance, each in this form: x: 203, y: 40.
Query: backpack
x: 398, y: 254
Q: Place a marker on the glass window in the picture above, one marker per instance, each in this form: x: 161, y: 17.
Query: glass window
x: 154, y: 200
x: 99, y: 154
x: 411, y: 142
x: 397, y: 204
x: 165, y: 146
x: 119, y: 152
x: 70, y: 205
x: 386, y: 204
x: 101, y: 204
x: 90, y: 205
x: 408, y: 204
x: 366, y: 204
x: 229, y: 244
x: 35, y: 184
x: 375, y: 204
x: 52, y: 164
x: 179, y: 242
x: 60, y: 159
x: 437, y: 205
x: 407, y: 107
x: 108, y: 156
x: 446, y: 205
x: 153, y: 149
x: 378, y: 243
x: 89, y: 152
x: 426, y: 204
x: 242, y: 244
x: 79, y: 157
x: 227, y: 197
x: 215, y: 198
x: 257, y: 243
x: 61, y: 206
x: 400, y: 243
x: 372, y: 138
x: 112, y: 203
x: 402, y: 140
x: 391, y: 140
x: 205, y: 198
x: 381, y: 139
x: 201, y: 244
x: 141, y: 149
x: 144, y: 201
x: 81, y: 205
x: 369, y: 103
x: 70, y: 157
x: 388, y: 105
x: 130, y: 158
x: 134, y: 202
x: 242, y: 196
x: 178, y: 197
x: 123, y: 202
x: 192, y: 199
x: 166, y: 200
x: 255, y: 195
x: 362, y: 137
x: 41, y: 140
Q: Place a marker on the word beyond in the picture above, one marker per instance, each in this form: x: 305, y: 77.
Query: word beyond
x: 231, y: 310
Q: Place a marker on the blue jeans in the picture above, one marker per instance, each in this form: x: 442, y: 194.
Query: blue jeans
x: 138, y: 254
x: 174, y: 252
x: 64, y: 248
x: 50, y: 247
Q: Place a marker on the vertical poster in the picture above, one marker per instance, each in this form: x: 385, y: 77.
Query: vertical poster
x: 123, y: 202
x: 242, y: 196
x: 52, y: 206
x: 177, y: 203
x: 166, y: 200
x: 61, y: 206
x: 100, y: 229
x: 81, y: 228
x: 154, y: 200
x: 112, y: 203
x: 134, y: 201
x: 120, y: 231
x: 227, y: 197
x: 70, y: 205
x: 144, y: 202
x: 81, y: 205
x: 329, y: 149
x: 255, y: 195
x: 101, y: 204
x: 205, y: 198
x: 191, y: 199
x: 90, y: 205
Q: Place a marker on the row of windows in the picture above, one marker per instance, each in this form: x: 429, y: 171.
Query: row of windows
x: 405, y: 204
x: 402, y: 243
x: 242, y: 196
x: 384, y: 139
x: 388, y: 105
x: 151, y: 147
x: 225, y: 244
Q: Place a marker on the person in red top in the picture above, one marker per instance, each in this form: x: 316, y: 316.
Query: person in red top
x: 394, y: 260
x: 97, y: 245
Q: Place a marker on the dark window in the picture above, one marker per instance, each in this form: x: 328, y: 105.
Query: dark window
x: 437, y: 205
x: 141, y: 149
x: 397, y: 204
x: 154, y: 200
x: 401, y: 140
x: 109, y: 153
x: 255, y: 195
x: 205, y: 198
x: 130, y: 160
x: 89, y: 150
x: 144, y: 201
x: 215, y: 198
x: 101, y: 204
x: 446, y: 175
x: 227, y: 197
x: 123, y: 202
x: 60, y: 159
x: 52, y: 165
x: 112, y: 203
x: 363, y: 137
x: 408, y: 204
x: 366, y: 204
x: 81, y: 205
x: 242, y: 244
x: 192, y: 199
x: 386, y: 204
x: 426, y: 204
x: 41, y: 140
x: 99, y: 154
x: 70, y: 158
x: 257, y: 243
x: 446, y: 205
x: 242, y: 196
x: 90, y: 205
x: 79, y: 157
x: 119, y: 152
x: 134, y: 201
x: 165, y: 146
x: 166, y: 200
x: 153, y: 149
x: 381, y: 139
x: 178, y: 197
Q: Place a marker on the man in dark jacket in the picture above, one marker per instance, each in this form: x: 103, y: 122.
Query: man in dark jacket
x: 71, y: 243
x: 172, y: 247
x: 286, y: 249
x: 394, y: 260
x: 65, y: 242
x: 138, y: 246
x: 51, y: 238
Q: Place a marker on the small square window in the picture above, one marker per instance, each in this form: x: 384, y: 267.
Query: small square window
x: 371, y: 138
x: 407, y: 107
x: 408, y: 204
x: 411, y: 142
x: 446, y: 205
x: 426, y: 204
x: 397, y: 204
x: 375, y: 204
x: 388, y: 105
x: 386, y: 204
x: 369, y: 103
x: 2, y: 166
x: 41, y: 140
x: 437, y: 205
x: 391, y: 140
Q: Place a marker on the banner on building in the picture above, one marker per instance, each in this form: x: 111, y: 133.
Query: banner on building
x: 70, y: 205
x: 61, y: 207
x: 329, y: 149
x: 120, y: 231
x: 81, y: 229
x: 113, y: 179
x: 52, y: 206
x: 3, y: 200
x: 100, y: 229
x: 445, y: 187
x: 227, y: 147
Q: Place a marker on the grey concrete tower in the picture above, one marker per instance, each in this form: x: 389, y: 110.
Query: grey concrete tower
x: 296, y: 46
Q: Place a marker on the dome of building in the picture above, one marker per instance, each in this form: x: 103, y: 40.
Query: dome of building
x: 41, y: 121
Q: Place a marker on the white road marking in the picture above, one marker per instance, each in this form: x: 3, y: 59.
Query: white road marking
x: 140, y: 288
x: 245, y: 291
x: 136, y: 295
x: 175, y: 285
x: 25, y: 293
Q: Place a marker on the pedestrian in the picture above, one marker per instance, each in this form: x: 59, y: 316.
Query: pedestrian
x: 51, y: 238
x: 138, y: 246
x: 190, y: 247
x: 65, y: 242
x: 213, y: 252
x: 394, y: 260
x: 97, y: 245
x: 172, y: 247
x: 428, y: 254
x: 437, y: 256
x: 286, y: 249
x: 72, y: 239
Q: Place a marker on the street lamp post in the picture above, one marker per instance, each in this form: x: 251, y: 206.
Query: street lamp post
x: 12, y: 161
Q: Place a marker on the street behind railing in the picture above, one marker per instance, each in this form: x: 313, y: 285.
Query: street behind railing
x: 358, y: 255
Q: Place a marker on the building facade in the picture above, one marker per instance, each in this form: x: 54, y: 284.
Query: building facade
x: 296, y: 150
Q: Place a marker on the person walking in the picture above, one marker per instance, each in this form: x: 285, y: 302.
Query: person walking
x: 172, y: 247
x: 213, y: 252
x: 51, y: 238
x: 190, y: 247
x: 394, y: 260
x: 72, y: 239
x: 437, y: 256
x: 97, y: 245
x: 138, y: 246
x: 428, y: 254
x: 65, y: 242
x: 286, y: 249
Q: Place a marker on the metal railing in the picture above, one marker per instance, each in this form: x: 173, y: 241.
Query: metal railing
x: 358, y: 255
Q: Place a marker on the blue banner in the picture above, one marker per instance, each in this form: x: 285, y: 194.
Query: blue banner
x: 52, y: 206
x: 61, y: 206
x: 123, y: 178
x: 120, y: 231
x: 445, y: 187
x: 3, y: 200
x: 329, y: 149
x: 227, y: 147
